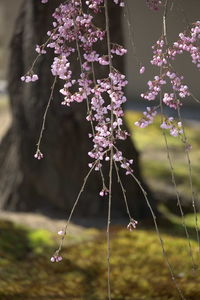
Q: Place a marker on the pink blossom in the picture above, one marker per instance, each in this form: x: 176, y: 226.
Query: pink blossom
x: 118, y: 50
x: 56, y: 258
x: 61, y: 232
x: 148, y: 118
x: 29, y: 78
x: 119, y: 2
x: 38, y: 154
x: 104, y: 192
x: 40, y: 50
x: 132, y: 225
x: 171, y: 100
x: 175, y: 129
x: 104, y: 60
x: 142, y: 70
x: 154, y: 4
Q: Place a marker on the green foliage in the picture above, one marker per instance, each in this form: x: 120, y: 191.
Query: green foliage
x: 138, y: 267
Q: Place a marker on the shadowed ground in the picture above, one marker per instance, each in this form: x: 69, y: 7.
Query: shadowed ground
x: 138, y: 269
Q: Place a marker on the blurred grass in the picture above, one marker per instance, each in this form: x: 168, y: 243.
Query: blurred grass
x: 138, y: 267
x: 155, y: 166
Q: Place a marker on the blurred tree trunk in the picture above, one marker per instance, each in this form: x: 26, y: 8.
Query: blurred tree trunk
x: 29, y: 184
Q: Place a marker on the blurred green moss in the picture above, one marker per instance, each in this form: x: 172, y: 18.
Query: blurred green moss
x: 39, y: 240
x: 155, y: 165
x: 13, y: 241
x: 138, y: 269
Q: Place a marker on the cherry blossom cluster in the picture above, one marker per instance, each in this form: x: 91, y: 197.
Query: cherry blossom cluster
x: 177, y: 84
x: 154, y: 4
x: 29, y: 77
x: 188, y: 42
x: 174, y: 127
x: 106, y: 133
x: 159, y: 57
x: 118, y: 49
x: 148, y: 118
x: 124, y: 163
x: 119, y: 2
x: 56, y: 258
x: 163, y: 57
x: 75, y: 32
x: 154, y: 88
x: 95, y: 5
x: 171, y: 100
x: 104, y: 191
x: 40, y: 49
x: 38, y: 154
x: 132, y: 225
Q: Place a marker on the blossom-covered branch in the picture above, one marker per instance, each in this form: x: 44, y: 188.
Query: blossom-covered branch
x: 163, y: 57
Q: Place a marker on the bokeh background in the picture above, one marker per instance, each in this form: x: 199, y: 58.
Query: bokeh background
x: 28, y: 237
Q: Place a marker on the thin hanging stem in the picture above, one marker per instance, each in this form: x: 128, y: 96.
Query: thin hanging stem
x: 75, y: 204
x: 42, y: 48
x: 160, y: 238
x: 45, y: 115
x: 197, y: 224
x: 123, y: 191
x: 189, y: 164
x: 178, y: 198
x: 168, y: 151
x: 111, y: 153
x: 131, y: 32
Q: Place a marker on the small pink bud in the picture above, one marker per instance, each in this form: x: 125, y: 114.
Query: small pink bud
x: 28, y: 78
x: 59, y: 258
x: 61, y: 232
x: 142, y: 69
x: 34, y: 77
x: 38, y: 155
x: 132, y: 225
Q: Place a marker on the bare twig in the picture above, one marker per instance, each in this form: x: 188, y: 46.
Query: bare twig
x: 75, y: 204
x: 45, y: 115
x: 160, y: 238
x: 123, y: 191
x: 189, y: 164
